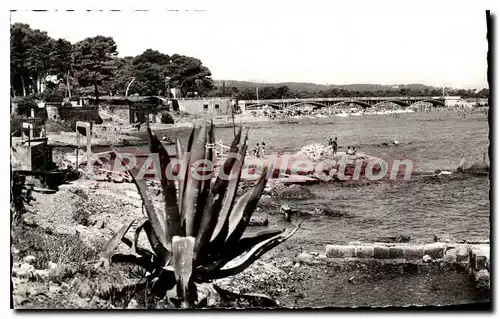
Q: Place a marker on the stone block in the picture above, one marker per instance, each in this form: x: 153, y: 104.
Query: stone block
x: 435, y: 250
x: 480, y: 255
x: 364, y: 251
x: 339, y: 251
x: 413, y: 252
x: 462, y: 253
x: 479, y: 262
x: 450, y: 256
x: 381, y: 252
x: 482, y: 278
x: 332, y: 251
x: 347, y: 251
x: 396, y: 252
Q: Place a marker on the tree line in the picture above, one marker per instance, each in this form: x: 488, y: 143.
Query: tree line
x: 54, y: 69
x: 284, y: 92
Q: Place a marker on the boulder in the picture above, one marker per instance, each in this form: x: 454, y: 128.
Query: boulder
x: 54, y: 289
x: 450, y: 256
x: 304, y: 258
x: 258, y: 221
x: 29, y: 259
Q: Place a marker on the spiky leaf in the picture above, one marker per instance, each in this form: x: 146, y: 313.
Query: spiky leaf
x: 172, y: 218
x: 204, y: 193
x: 183, y: 265
x: 157, y: 218
x: 111, y: 245
x: 242, y: 263
x: 220, y: 231
x: 183, y: 173
x: 243, y: 210
x: 193, y: 184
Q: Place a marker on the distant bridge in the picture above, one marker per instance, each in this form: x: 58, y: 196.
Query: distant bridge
x: 364, y: 102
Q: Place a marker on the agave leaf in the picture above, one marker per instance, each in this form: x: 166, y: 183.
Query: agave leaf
x: 220, y: 231
x: 255, y: 300
x: 237, y: 266
x: 228, y: 254
x: 180, y: 156
x: 141, y: 251
x: 111, y: 245
x: 153, y: 215
x: 193, y: 184
x: 247, y: 243
x: 201, y: 202
x: 243, y: 210
x: 155, y: 243
x: 172, y: 218
x: 133, y: 248
x: 183, y: 175
x: 228, y: 164
x: 183, y: 265
x: 141, y: 261
x: 208, y: 222
x: 214, y: 204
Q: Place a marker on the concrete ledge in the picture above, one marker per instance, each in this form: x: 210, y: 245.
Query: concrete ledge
x: 381, y: 252
x: 435, y: 250
x: 396, y: 252
x: 475, y: 257
x: 338, y: 251
x: 413, y: 252
x: 364, y: 251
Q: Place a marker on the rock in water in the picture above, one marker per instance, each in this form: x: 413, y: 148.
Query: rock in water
x: 316, y: 151
x: 402, y: 238
x: 426, y: 259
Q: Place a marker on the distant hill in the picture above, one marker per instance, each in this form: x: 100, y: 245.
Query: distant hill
x: 313, y: 87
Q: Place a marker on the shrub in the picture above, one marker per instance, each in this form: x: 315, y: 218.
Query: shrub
x: 25, y: 104
x: 167, y: 118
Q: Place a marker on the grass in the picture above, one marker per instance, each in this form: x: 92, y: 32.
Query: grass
x: 57, y: 248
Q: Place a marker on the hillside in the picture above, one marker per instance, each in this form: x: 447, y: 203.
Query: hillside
x: 313, y: 87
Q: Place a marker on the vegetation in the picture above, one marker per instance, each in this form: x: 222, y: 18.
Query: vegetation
x: 247, y: 90
x: 167, y: 118
x: 198, y: 238
x: 54, y: 69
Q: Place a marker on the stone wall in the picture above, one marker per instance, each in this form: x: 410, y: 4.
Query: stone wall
x: 474, y: 257
x: 121, y: 111
x: 74, y: 114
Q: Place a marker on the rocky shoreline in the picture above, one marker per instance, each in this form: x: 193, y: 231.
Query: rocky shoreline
x: 82, y: 216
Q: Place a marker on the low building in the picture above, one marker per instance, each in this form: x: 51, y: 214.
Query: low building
x: 452, y: 101
x: 207, y: 105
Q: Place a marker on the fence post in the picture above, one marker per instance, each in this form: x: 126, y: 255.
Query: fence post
x: 88, y: 133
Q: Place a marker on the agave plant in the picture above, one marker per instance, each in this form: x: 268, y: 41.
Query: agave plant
x: 199, y: 236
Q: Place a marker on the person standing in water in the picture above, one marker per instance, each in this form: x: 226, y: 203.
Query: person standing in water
x: 334, y: 146
x: 263, y: 150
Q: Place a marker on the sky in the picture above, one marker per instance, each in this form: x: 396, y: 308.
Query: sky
x: 306, y: 44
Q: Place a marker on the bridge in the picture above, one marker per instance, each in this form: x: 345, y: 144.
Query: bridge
x: 364, y: 102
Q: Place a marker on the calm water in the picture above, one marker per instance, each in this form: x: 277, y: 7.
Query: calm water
x: 423, y: 206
